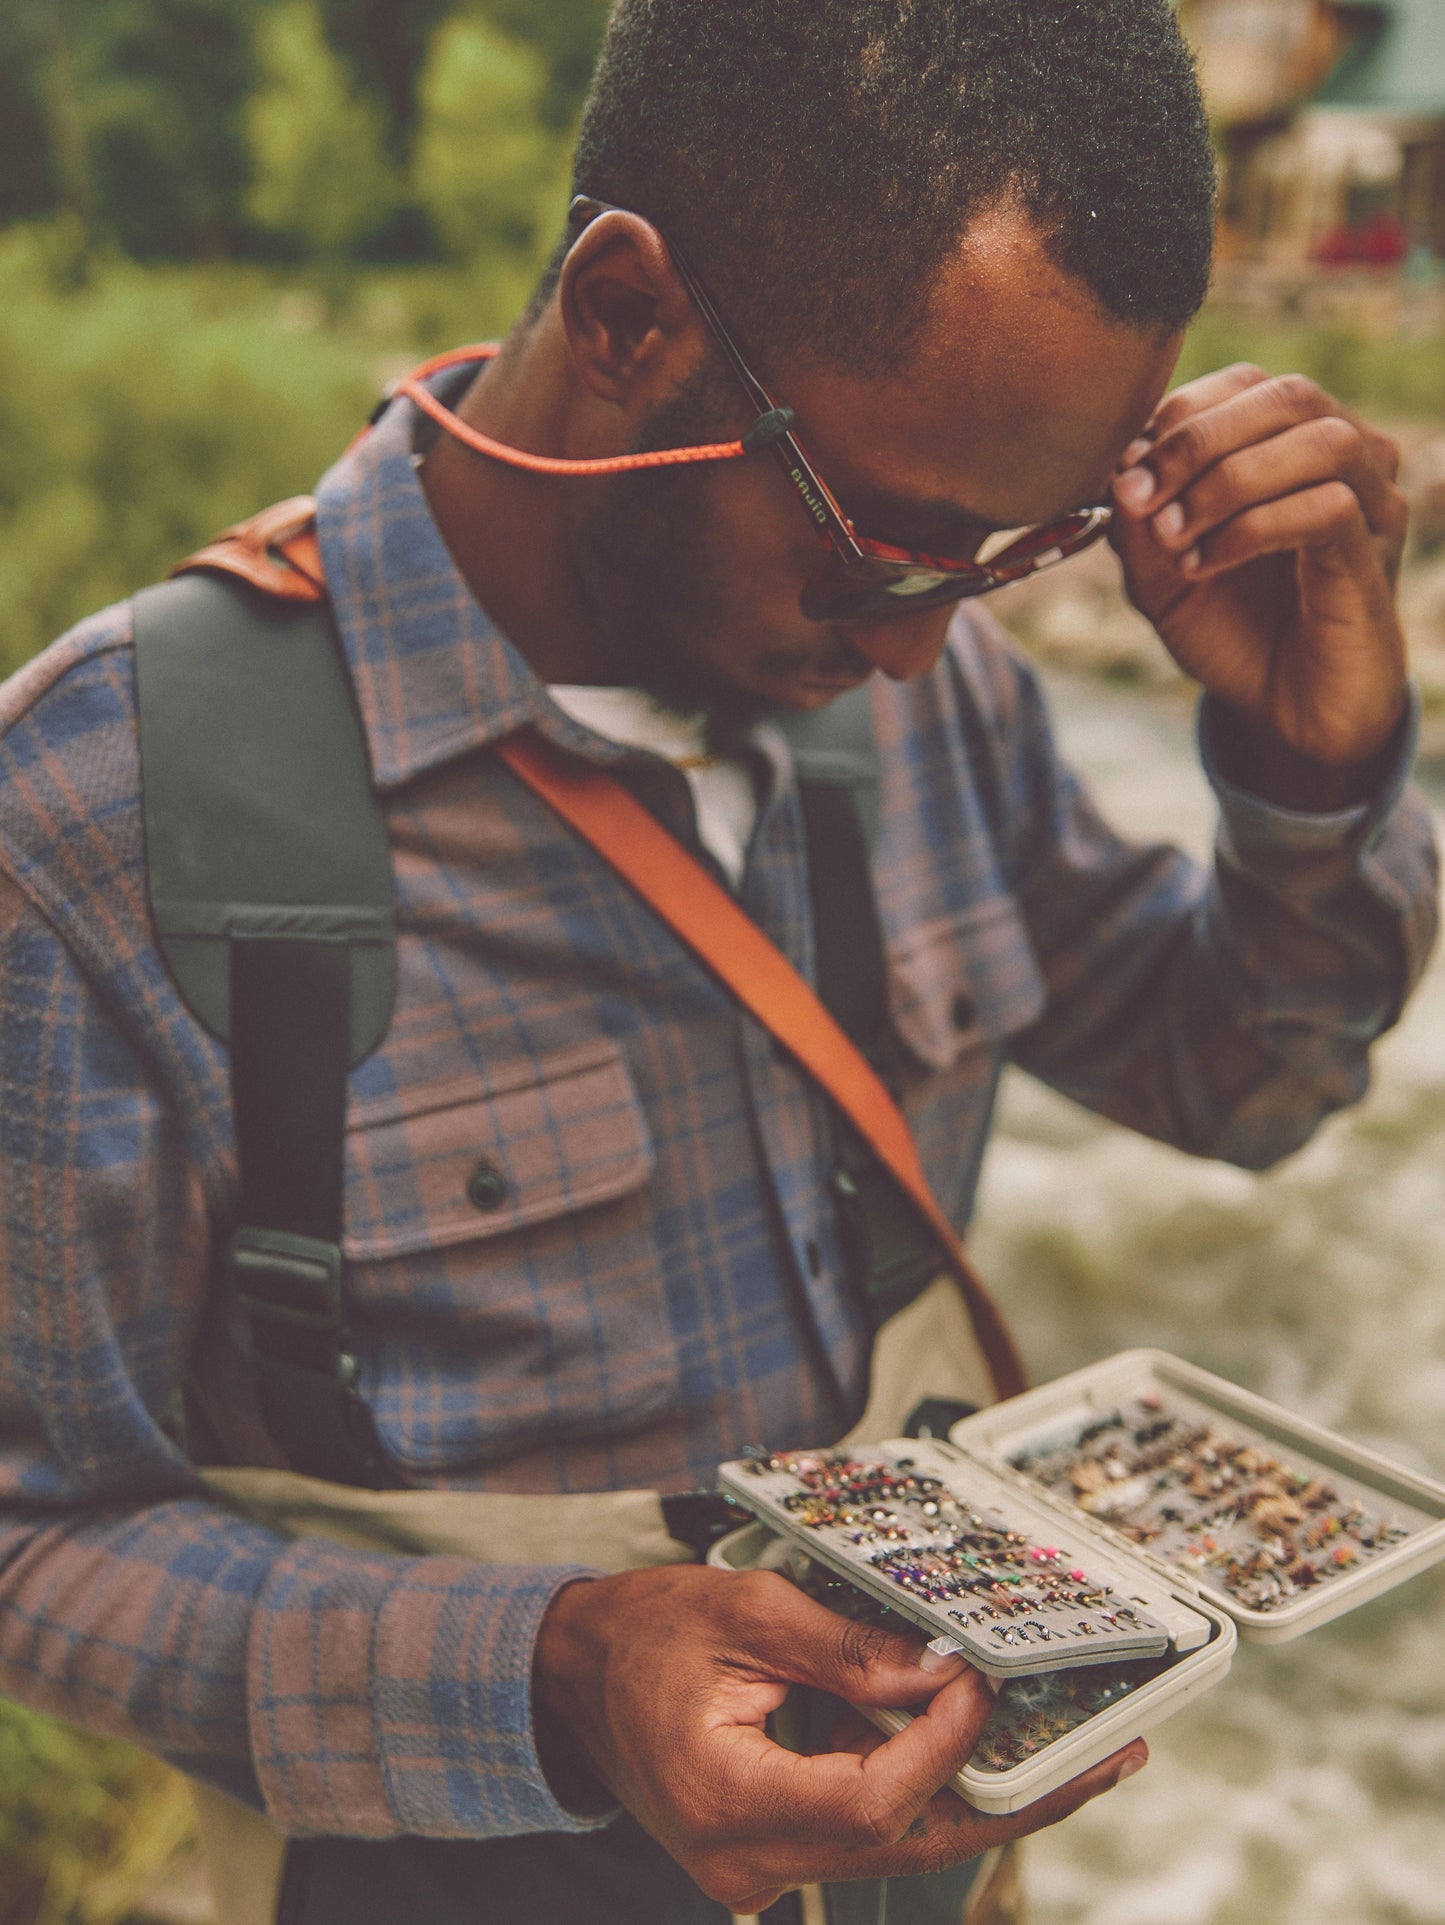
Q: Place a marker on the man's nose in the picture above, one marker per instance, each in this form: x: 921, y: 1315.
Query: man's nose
x: 905, y: 646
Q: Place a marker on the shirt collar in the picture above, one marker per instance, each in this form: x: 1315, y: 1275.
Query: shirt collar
x: 434, y: 677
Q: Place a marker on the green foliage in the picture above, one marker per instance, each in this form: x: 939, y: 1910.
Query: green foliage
x: 486, y: 175
x: 141, y: 414
x: 323, y: 178
x: 491, y: 176
x: 142, y: 117
x: 86, y: 1825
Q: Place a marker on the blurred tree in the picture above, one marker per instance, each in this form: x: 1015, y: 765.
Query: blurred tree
x: 384, y: 45
x: 567, y: 34
x: 27, y: 172
x: 43, y: 163
x: 129, y: 115
x: 164, y: 85
x: 491, y: 175
x: 323, y: 180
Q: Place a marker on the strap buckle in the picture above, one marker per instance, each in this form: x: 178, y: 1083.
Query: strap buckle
x: 285, y: 1279
x: 699, y: 1518
x: 290, y: 1290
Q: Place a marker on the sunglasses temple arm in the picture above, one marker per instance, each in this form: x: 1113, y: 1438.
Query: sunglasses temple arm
x: 773, y: 427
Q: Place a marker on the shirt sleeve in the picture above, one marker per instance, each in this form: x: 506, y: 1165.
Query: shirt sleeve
x: 1225, y: 1010
x: 349, y: 1693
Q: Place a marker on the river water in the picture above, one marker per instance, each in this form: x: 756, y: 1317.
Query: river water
x: 1309, y: 1787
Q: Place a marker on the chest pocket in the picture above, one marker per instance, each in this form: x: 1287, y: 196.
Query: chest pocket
x: 964, y: 983
x: 501, y: 1256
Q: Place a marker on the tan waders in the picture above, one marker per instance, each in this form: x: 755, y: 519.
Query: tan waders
x: 928, y: 1349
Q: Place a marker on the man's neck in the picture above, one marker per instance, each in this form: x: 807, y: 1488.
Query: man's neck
x: 507, y: 530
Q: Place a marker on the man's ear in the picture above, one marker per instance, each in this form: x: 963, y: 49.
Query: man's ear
x: 627, y: 315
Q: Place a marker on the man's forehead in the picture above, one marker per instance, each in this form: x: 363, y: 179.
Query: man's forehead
x: 1012, y: 404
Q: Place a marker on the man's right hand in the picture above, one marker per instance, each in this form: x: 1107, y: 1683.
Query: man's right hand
x: 663, y: 1680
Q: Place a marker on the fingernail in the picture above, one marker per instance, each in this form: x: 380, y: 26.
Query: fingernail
x: 1189, y: 561
x: 931, y: 1660
x: 1134, y: 487
x: 1169, y: 521
x: 1135, y: 1762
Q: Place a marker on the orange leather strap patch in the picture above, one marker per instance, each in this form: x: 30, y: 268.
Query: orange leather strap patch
x: 277, y: 552
x: 761, y: 978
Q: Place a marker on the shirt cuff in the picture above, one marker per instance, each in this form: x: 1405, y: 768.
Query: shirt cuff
x: 1250, y: 819
x: 391, y: 1696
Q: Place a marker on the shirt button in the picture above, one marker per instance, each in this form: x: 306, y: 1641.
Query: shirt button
x: 486, y: 1187
x: 962, y: 1011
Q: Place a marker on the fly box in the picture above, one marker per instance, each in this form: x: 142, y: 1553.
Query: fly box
x: 1096, y: 1544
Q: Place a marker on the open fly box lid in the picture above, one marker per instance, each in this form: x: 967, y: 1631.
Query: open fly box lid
x: 1278, y: 1522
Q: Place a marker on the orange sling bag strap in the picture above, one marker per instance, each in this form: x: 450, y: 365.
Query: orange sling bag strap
x: 278, y: 553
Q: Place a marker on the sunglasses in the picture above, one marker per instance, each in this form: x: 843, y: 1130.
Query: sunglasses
x: 858, y: 580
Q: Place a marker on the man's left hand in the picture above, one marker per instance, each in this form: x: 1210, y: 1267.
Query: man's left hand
x: 1261, y: 530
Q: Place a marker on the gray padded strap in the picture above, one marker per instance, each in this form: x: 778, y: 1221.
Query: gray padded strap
x: 837, y: 747
x: 260, y: 819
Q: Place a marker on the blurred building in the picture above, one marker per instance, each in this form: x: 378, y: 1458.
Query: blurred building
x: 1331, y: 124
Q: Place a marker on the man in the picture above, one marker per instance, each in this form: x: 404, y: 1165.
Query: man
x: 591, y: 1233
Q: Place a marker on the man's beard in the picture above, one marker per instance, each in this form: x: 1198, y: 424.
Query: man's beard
x: 640, y: 563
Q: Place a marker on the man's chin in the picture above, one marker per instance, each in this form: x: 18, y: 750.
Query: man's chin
x: 793, y: 688
x: 691, y: 678
x: 807, y: 693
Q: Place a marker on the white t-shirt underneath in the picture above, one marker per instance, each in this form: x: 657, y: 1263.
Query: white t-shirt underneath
x: 722, y: 789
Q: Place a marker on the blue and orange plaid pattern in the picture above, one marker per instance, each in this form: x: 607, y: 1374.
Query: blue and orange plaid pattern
x: 649, y: 1273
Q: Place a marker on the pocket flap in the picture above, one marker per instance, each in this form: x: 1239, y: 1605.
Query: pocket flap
x: 964, y: 981
x: 448, y: 1165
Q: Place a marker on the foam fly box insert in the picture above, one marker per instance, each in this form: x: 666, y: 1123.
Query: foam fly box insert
x: 951, y: 1546
x: 1203, y: 1511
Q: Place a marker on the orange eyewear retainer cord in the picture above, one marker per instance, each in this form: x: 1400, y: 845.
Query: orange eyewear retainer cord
x: 768, y: 427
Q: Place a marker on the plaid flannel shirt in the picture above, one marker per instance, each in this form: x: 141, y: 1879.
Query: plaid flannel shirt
x: 658, y: 1278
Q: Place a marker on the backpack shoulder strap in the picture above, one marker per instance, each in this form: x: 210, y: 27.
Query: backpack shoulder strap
x: 271, y: 891
x: 259, y: 815
x: 834, y: 752
x: 889, y: 1250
